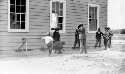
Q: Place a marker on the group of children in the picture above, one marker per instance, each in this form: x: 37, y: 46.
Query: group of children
x: 54, y: 41
x: 106, y: 36
x: 80, y: 39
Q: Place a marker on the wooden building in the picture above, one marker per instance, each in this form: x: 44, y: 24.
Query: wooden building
x: 32, y: 19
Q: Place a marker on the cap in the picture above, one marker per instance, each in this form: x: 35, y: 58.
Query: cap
x: 106, y: 27
x: 57, y: 28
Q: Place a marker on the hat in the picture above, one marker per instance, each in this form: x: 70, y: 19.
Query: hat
x: 106, y: 28
x: 48, y: 33
x: 57, y: 28
x: 80, y: 25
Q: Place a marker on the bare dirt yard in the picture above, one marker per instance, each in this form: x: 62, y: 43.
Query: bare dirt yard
x: 97, y: 61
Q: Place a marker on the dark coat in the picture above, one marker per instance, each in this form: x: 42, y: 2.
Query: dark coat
x: 56, y: 36
x: 77, y: 34
x: 98, y: 35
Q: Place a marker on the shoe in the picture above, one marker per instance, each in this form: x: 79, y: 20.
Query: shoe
x: 94, y: 46
x: 85, y: 53
x: 73, y: 47
x: 108, y: 49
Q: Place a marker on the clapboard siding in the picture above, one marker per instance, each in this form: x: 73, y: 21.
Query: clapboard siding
x: 39, y: 23
x: 77, y: 11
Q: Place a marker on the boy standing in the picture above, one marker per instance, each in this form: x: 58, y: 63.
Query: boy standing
x: 77, y: 38
x: 82, y: 38
x: 98, y: 37
x: 49, y: 42
x: 107, y: 37
x: 110, y: 37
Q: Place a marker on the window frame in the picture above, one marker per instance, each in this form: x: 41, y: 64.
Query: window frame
x: 26, y: 19
x: 98, y: 11
x: 64, y: 15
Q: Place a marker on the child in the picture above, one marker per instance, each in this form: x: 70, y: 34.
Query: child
x: 82, y: 38
x: 107, y: 36
x: 110, y: 37
x: 98, y: 37
x: 56, y: 35
x: 77, y: 38
x: 58, y: 45
x: 49, y: 42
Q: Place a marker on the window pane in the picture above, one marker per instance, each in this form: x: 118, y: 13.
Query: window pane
x: 89, y: 20
x: 23, y: 9
x: 17, y: 26
x: 18, y: 9
x: 60, y: 26
x: 18, y: 2
x: 90, y: 16
x: 18, y: 17
x: 60, y: 19
x: 22, y: 17
x: 95, y: 12
x: 57, y: 13
x: 22, y: 25
x: 12, y: 19
x: 90, y: 9
x: 17, y: 14
x: 12, y: 8
x: 53, y: 6
x: 57, y: 6
x: 23, y: 2
x: 93, y: 25
x: 61, y: 12
x: 12, y: 1
x: 12, y: 26
x: 61, y: 5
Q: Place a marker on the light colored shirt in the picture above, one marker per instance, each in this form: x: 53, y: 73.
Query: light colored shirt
x: 54, y: 20
x: 48, y: 39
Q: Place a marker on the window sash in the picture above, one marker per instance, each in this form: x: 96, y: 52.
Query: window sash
x: 93, y: 18
x: 20, y: 22
x: 60, y: 10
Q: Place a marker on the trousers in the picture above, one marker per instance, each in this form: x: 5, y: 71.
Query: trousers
x: 82, y: 43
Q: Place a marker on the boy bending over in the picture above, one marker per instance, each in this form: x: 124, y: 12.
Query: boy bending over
x: 49, y: 42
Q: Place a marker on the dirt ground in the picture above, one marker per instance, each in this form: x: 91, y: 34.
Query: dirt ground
x: 97, y: 61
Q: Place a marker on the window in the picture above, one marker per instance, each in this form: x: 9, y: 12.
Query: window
x: 18, y: 16
x: 58, y: 15
x: 93, y: 18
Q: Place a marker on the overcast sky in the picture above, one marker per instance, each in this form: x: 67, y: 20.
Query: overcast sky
x: 116, y: 14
